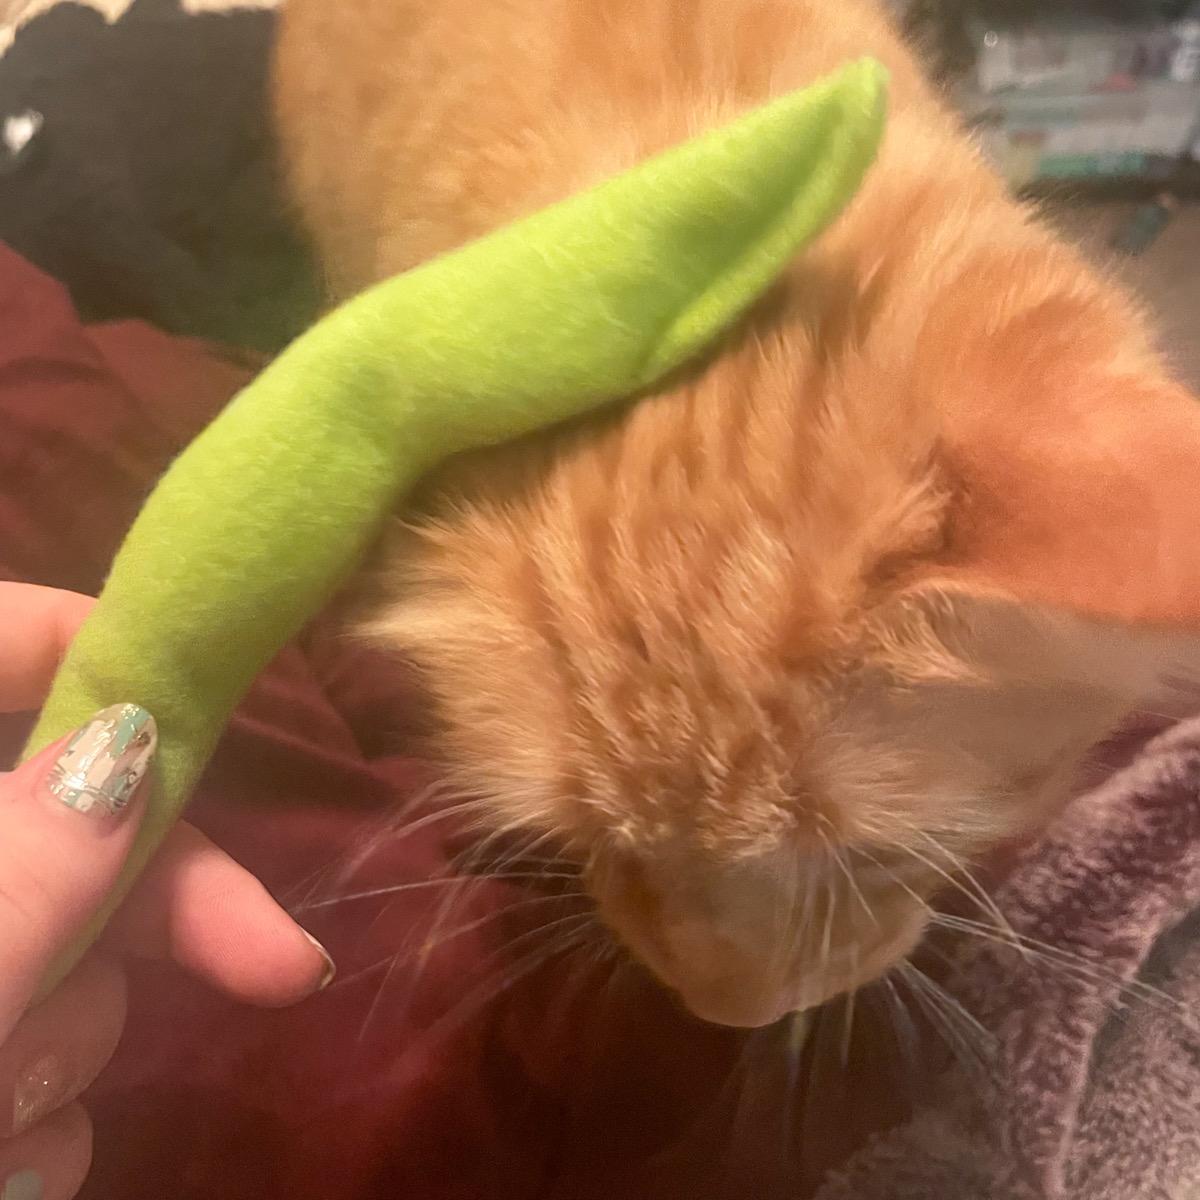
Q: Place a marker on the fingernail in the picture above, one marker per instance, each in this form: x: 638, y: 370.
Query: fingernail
x: 104, y: 762
x: 24, y: 1185
x: 330, y: 971
x: 41, y: 1088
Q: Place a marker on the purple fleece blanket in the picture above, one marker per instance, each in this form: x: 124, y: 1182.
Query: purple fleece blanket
x: 1090, y: 1039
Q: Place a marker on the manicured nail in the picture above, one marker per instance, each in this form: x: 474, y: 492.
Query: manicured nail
x: 24, y: 1185
x: 104, y: 762
x: 330, y: 971
x: 41, y: 1089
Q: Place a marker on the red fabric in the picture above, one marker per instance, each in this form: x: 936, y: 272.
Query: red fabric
x: 464, y: 1073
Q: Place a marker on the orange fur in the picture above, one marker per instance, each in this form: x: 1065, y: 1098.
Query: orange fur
x: 777, y: 650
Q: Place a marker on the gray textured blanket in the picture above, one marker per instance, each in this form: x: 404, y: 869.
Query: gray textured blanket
x: 1092, y: 1083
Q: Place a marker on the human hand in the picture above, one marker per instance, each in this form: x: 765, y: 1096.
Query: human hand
x: 67, y: 820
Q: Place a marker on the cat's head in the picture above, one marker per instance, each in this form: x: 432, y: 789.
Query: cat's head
x: 776, y: 654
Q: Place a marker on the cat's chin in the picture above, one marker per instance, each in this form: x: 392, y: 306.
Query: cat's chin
x: 748, y: 1012
x: 720, y: 1011
x: 848, y: 970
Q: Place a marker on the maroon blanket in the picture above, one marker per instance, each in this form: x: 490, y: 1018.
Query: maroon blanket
x: 489, y: 1065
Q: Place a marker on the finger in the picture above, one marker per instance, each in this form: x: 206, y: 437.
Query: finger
x: 59, y: 1047
x: 195, y: 904
x: 51, y: 1161
x: 38, y: 625
x: 68, y: 817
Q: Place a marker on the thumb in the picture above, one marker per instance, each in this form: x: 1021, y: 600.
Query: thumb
x: 67, y: 819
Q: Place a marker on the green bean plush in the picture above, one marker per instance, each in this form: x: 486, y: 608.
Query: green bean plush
x: 588, y: 302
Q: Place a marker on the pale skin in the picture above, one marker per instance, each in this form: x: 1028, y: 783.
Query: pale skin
x: 194, y: 905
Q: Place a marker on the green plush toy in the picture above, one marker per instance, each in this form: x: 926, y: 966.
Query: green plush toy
x: 590, y: 301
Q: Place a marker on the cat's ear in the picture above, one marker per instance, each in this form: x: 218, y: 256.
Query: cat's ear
x: 1072, y: 557
x: 996, y: 638
x: 1084, y: 502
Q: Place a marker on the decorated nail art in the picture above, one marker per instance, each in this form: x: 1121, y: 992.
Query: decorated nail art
x: 104, y: 762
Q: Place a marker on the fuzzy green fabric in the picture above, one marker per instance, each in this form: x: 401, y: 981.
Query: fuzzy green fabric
x: 590, y: 301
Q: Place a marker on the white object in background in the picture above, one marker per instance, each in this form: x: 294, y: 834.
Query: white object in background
x: 19, y: 131
x: 15, y: 13
x: 1185, y: 63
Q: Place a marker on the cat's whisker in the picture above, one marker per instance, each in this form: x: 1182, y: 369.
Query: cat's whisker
x: 962, y: 1032
x: 849, y: 1007
x: 470, y: 884
x: 569, y: 927
x: 378, y: 998
x: 343, y: 980
x: 602, y: 952
x: 439, y: 881
x: 1060, y: 963
x: 908, y: 1040
x: 896, y: 879
x: 513, y: 973
x: 816, y: 1066
x: 945, y: 1004
x: 446, y: 801
x: 827, y: 934
x: 795, y: 917
x: 341, y: 868
x: 806, y: 916
x: 388, y: 837
x: 848, y: 872
x: 459, y: 890
x: 436, y: 792
x: 799, y: 1028
x: 1058, y: 958
x: 430, y: 945
x: 523, y: 853
x: 800, y: 911
x: 471, y: 857
x: 975, y: 892
x: 985, y: 903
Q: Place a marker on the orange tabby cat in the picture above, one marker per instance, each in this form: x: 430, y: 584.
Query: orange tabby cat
x: 775, y: 651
